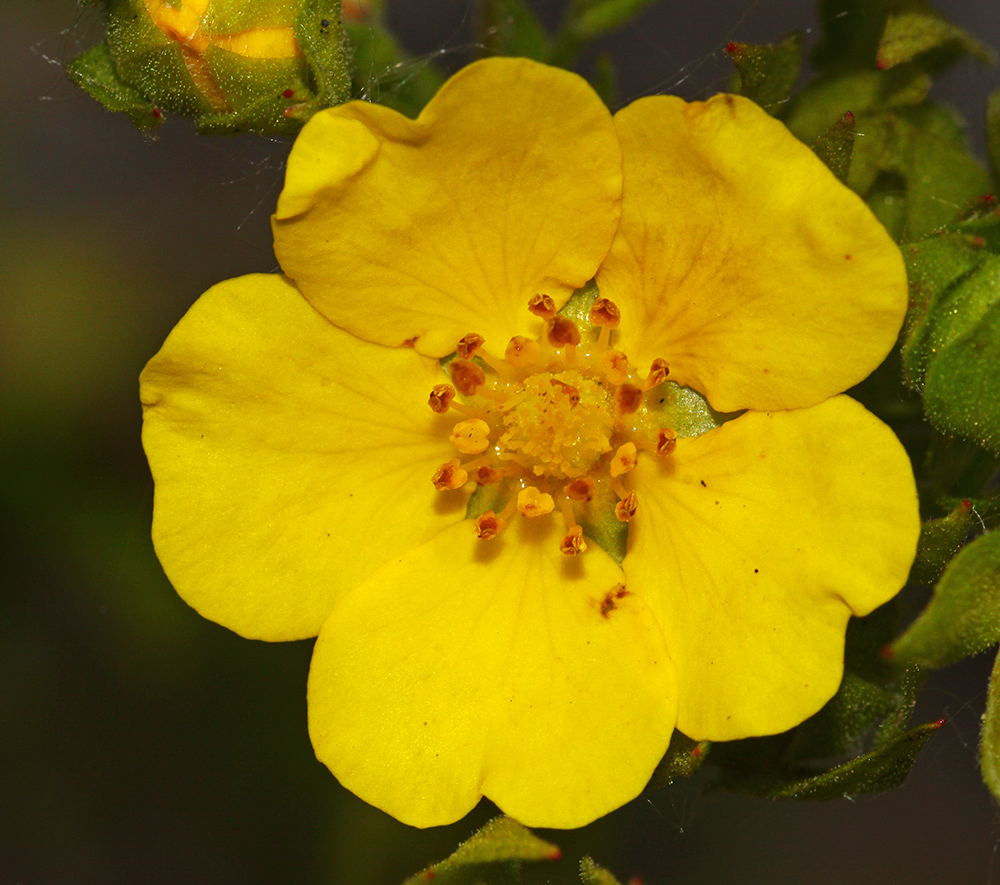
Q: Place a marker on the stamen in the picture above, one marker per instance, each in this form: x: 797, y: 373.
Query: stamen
x: 489, y: 525
x: 471, y: 436
x: 542, y: 306
x: 522, y: 352
x: 450, y: 476
x: 666, y: 442
x: 573, y: 543
x: 614, y: 364
x: 624, y: 460
x: 619, y: 489
x: 605, y: 314
x: 657, y: 374
x: 441, y: 398
x: 532, y: 502
x: 625, y: 509
x: 563, y: 332
x: 581, y: 489
x: 628, y: 398
x: 466, y: 376
x: 469, y: 345
x: 487, y: 476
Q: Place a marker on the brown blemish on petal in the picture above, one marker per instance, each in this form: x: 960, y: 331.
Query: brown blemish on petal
x: 611, y: 598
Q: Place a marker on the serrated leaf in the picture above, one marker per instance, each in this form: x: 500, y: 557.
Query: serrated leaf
x: 962, y: 386
x: 592, y: 874
x: 963, y: 616
x: 940, y: 540
x: 683, y: 758
x: 882, y: 769
x: 768, y: 72
x: 487, y: 855
x: 989, y: 748
x: 912, y: 33
x: 836, y: 147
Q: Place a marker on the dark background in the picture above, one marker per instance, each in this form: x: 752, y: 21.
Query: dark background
x: 140, y: 743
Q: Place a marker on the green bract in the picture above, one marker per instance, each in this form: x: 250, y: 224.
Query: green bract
x: 232, y: 67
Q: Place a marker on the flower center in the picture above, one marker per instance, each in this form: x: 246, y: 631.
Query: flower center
x: 556, y: 423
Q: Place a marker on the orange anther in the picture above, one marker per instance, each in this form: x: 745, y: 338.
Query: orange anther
x: 449, y: 476
x: 542, y: 306
x: 563, y: 332
x: 466, y: 375
x: 605, y: 313
x: 487, y: 476
x: 614, y: 364
x: 441, y: 397
x: 573, y: 542
x: 532, y: 502
x: 624, y: 460
x: 666, y: 441
x: 522, y: 352
x: 471, y: 436
x: 657, y: 374
x: 625, y: 509
x: 469, y: 345
x: 628, y: 398
x: 581, y: 489
x: 489, y: 525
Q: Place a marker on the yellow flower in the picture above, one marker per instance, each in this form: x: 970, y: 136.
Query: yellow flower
x: 314, y: 464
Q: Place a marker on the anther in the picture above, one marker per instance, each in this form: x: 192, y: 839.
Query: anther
x: 469, y: 345
x: 614, y: 364
x: 532, y: 502
x: 628, y: 398
x: 605, y: 315
x: 573, y: 543
x: 666, y: 441
x: 441, y: 397
x: 522, y: 352
x: 489, y: 525
x: 581, y: 489
x: 487, y: 476
x: 466, y: 375
x: 542, y: 306
x: 568, y: 390
x: 657, y: 374
x: 625, y: 509
x: 449, y: 476
x: 471, y: 436
x: 563, y: 332
x: 624, y: 460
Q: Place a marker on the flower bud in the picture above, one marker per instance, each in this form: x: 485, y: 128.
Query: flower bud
x: 231, y: 65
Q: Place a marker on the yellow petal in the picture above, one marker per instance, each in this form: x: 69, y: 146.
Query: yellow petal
x: 754, y: 543
x: 290, y: 458
x: 742, y: 261
x: 507, y: 185
x: 470, y: 667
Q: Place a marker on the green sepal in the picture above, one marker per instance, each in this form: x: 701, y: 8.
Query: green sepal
x: 590, y: 19
x: 989, y: 748
x: 94, y: 72
x: 963, y: 616
x: 515, y: 30
x: 683, y: 758
x: 940, y: 540
x: 925, y: 36
x: 768, y: 72
x: 326, y: 51
x: 836, y: 147
x: 884, y: 768
x: 491, y: 856
x: 592, y: 874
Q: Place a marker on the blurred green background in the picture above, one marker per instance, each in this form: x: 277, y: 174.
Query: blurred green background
x: 140, y: 743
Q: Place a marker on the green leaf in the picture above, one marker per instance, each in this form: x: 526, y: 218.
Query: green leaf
x: 515, y: 30
x: 592, y: 874
x: 836, y: 147
x: 591, y: 19
x: 963, y: 616
x: 940, y: 540
x: 910, y: 34
x: 95, y: 73
x: 768, y: 72
x: 882, y: 769
x: 851, y: 30
x: 488, y: 856
x: 989, y: 749
x: 683, y: 758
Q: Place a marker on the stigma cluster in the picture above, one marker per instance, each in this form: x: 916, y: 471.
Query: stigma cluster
x: 553, y: 421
